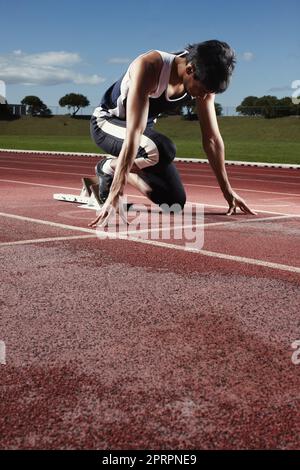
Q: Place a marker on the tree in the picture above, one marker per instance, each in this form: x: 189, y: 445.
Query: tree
x: 285, y: 107
x: 248, y: 106
x: 75, y: 101
x: 219, y: 109
x: 36, y: 107
x: 268, y: 106
x: 188, y: 109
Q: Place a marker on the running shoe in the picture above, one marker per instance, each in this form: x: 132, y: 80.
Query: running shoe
x: 105, y: 181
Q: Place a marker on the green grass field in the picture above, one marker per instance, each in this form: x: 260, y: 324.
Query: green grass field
x: 246, y: 139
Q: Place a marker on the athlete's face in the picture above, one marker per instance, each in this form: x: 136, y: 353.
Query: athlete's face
x: 192, y: 86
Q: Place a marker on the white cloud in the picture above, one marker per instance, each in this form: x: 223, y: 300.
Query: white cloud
x: 46, y: 68
x: 119, y: 60
x: 52, y: 58
x: 248, y: 56
x: 281, y: 88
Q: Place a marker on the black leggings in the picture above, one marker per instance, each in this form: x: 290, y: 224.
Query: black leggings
x: 154, y: 158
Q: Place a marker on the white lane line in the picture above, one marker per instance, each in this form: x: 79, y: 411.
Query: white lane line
x: 177, y: 159
x: 283, y: 172
x: 140, y: 197
x: 44, y: 240
x: 244, y: 189
x: 64, y: 173
x: 284, y: 169
x: 208, y: 225
x: 245, y: 221
x: 185, y: 184
x: 196, y: 171
x: 256, y: 262
x: 213, y: 254
x: 210, y: 176
x: 47, y: 222
x: 121, y: 235
x: 38, y: 184
x: 248, y: 179
x: 256, y: 210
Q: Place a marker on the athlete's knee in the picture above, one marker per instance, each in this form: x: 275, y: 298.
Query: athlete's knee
x: 180, y: 200
x: 155, y: 148
x: 174, y: 203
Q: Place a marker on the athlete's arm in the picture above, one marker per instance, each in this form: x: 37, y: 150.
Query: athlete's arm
x: 214, y: 148
x: 144, y: 74
x: 143, y: 80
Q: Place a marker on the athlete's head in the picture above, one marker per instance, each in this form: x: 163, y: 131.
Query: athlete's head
x: 213, y: 63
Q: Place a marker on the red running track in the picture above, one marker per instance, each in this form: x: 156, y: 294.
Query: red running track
x: 121, y: 344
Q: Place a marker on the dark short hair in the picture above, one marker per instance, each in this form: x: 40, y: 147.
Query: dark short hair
x: 214, y: 62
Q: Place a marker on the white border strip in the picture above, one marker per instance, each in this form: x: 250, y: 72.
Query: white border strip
x: 183, y: 160
x: 240, y: 163
x: 50, y: 152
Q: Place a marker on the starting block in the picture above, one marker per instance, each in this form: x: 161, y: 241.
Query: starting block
x: 88, y: 198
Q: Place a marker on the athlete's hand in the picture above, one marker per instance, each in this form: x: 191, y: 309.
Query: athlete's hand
x: 235, y: 201
x: 112, y: 205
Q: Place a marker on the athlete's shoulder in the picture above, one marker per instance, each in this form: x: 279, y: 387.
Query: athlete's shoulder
x: 146, y: 67
x: 152, y: 58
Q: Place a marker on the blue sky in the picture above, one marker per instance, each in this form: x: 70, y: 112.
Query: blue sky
x: 50, y: 48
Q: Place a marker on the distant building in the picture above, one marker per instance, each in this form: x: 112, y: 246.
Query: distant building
x: 17, y: 109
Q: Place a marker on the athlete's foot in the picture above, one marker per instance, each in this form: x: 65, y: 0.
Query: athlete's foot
x: 105, y: 181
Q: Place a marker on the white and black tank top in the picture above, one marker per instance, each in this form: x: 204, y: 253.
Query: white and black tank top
x: 113, y: 103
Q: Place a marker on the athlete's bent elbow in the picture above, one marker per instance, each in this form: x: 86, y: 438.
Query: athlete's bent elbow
x: 213, y: 143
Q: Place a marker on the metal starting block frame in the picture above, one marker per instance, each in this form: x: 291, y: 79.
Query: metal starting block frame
x: 88, y: 198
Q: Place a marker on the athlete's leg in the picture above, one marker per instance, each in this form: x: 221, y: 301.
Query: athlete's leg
x: 154, y: 160
x: 109, y: 134
x: 165, y: 183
